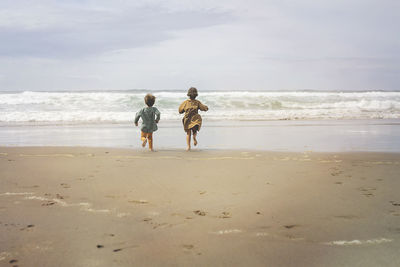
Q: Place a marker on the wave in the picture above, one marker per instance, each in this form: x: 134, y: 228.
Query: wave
x: 120, y: 107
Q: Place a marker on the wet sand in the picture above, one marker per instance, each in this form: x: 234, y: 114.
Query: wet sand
x: 119, y: 207
x: 289, y: 136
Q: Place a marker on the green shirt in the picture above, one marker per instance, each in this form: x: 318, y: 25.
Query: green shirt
x: 149, y: 117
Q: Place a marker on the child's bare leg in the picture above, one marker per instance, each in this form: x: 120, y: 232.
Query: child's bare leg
x: 150, y: 138
x: 194, y: 138
x: 188, y: 135
x: 143, y: 137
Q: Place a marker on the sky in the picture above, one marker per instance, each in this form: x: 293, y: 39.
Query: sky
x: 212, y: 45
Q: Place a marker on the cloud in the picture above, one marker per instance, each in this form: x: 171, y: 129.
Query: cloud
x: 81, y: 30
x: 225, y: 44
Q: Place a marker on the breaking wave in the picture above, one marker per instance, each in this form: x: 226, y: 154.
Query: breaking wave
x: 120, y: 106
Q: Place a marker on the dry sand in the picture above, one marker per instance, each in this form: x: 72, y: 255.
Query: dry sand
x: 115, y: 207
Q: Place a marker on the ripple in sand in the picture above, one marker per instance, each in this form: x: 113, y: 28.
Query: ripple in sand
x: 47, y: 155
x: 225, y: 215
x: 140, y: 201
x: 51, y: 201
x: 4, y: 255
x: 262, y: 234
x: 16, y: 193
x: 123, y: 214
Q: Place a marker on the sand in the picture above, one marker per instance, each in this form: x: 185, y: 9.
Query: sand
x: 75, y: 206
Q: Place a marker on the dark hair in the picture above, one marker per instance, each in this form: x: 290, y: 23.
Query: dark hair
x: 149, y: 99
x: 192, y: 92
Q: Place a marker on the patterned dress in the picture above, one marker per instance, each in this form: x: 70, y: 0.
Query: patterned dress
x: 191, y: 118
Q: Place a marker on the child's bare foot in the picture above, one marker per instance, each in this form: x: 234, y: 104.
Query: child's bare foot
x: 144, y: 142
x: 194, y: 141
x: 188, y: 148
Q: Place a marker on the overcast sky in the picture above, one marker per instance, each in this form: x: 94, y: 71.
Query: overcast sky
x: 213, y: 45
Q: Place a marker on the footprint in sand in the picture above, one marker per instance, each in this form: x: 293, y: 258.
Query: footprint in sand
x: 48, y: 203
x: 367, y: 191
x: 65, y: 185
x: 336, y: 172
x: 27, y: 227
x: 291, y: 226
x: 199, y: 212
x: 13, y: 261
x: 188, y: 248
x: 225, y: 215
x: 394, y: 203
x: 161, y: 225
x: 58, y: 196
x: 120, y: 249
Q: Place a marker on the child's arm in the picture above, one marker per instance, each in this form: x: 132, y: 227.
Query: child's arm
x: 137, y: 117
x: 182, y: 107
x: 157, y: 115
x: 202, y: 107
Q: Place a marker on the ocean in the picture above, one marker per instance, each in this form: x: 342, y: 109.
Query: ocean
x: 105, y: 107
x: 239, y: 120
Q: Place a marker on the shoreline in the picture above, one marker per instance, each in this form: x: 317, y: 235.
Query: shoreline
x: 192, y: 152
x: 296, y: 136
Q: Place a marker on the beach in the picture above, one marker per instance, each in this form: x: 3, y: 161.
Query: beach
x: 290, y: 157
x: 278, y: 179
x: 87, y: 206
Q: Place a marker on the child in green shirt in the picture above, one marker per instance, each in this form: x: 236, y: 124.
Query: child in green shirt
x: 150, y: 117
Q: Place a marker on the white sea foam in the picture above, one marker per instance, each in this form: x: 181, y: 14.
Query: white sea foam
x: 359, y: 242
x: 228, y: 231
x: 120, y: 107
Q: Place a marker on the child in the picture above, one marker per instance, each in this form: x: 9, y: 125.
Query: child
x: 150, y: 117
x: 191, y: 120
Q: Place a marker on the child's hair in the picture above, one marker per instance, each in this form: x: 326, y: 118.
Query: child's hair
x: 149, y: 99
x: 192, y: 93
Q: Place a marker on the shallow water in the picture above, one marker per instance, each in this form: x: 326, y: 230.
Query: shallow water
x: 324, y: 136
